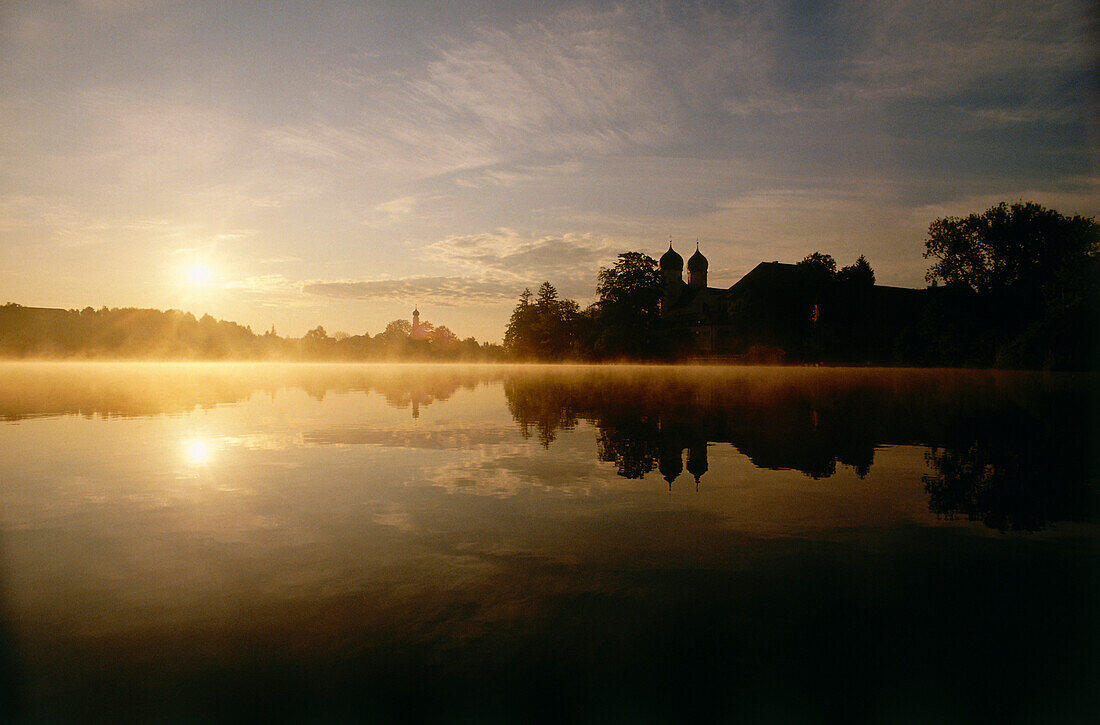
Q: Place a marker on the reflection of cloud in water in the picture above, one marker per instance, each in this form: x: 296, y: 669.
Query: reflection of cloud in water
x: 384, y: 547
x: 431, y: 438
x: 264, y: 441
x: 506, y: 470
x: 391, y: 514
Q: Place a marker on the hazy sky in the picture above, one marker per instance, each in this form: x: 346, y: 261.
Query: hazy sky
x: 337, y: 163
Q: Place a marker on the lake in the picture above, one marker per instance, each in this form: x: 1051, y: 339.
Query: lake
x: 320, y: 542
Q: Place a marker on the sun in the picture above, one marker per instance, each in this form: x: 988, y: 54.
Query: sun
x: 198, y: 274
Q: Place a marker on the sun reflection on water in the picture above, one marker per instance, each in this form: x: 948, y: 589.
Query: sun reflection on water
x: 198, y: 452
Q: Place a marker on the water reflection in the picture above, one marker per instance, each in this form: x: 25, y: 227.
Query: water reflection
x: 420, y: 542
x: 1011, y: 450
x: 140, y: 389
x: 198, y: 452
x: 1010, y: 469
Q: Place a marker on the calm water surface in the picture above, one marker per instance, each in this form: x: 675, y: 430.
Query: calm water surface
x: 240, y: 541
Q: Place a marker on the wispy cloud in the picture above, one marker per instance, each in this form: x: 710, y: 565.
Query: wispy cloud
x: 570, y: 84
x: 263, y: 283
x: 510, y: 175
x: 443, y: 291
x: 270, y: 290
x: 570, y: 261
x: 918, y: 48
x: 572, y: 131
x: 1077, y: 197
x: 496, y: 267
x: 396, y: 209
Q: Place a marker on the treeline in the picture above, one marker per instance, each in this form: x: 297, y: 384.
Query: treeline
x: 623, y: 322
x: 129, y: 333
x: 1017, y: 286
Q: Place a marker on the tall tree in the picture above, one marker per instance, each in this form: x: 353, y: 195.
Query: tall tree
x: 545, y: 329
x: 442, y: 338
x: 555, y: 323
x: 1026, y: 274
x: 520, y: 336
x: 859, y: 275
x: 629, y: 307
x: 818, y: 269
x: 397, y: 329
x: 1019, y: 249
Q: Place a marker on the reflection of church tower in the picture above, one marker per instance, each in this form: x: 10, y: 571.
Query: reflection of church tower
x: 671, y: 464
x: 697, y: 461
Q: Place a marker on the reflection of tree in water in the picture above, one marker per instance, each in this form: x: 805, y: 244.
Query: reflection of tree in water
x: 531, y: 409
x: 1004, y: 449
x: 649, y: 421
x: 1012, y: 450
x: 1011, y: 472
x: 143, y: 389
x: 414, y: 391
x: 632, y: 445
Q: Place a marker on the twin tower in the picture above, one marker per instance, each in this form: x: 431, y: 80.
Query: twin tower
x: 672, y: 272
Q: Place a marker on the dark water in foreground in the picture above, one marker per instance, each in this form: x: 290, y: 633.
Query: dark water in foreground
x: 491, y: 543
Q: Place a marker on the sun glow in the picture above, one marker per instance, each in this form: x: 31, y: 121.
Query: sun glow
x: 198, y: 452
x: 199, y: 274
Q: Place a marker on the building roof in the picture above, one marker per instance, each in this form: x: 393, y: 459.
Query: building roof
x: 767, y: 275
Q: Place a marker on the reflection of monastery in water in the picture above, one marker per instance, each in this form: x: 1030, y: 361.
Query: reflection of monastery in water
x: 779, y: 310
x: 992, y: 454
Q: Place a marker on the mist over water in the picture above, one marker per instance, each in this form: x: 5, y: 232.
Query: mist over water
x: 241, y: 540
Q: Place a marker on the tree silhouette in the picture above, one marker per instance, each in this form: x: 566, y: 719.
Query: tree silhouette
x: 520, y: 336
x: 174, y: 335
x: 858, y: 275
x: 544, y: 329
x: 817, y: 269
x: 1026, y: 274
x: 628, y: 309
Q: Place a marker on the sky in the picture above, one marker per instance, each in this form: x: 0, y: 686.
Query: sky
x: 337, y: 164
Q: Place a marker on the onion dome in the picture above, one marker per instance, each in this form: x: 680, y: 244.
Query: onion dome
x: 671, y: 261
x: 697, y: 262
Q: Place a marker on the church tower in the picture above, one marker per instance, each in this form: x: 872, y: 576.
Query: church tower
x: 697, y: 269
x: 672, y: 276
